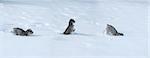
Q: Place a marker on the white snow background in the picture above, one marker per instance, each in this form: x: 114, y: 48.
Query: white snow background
x: 49, y: 18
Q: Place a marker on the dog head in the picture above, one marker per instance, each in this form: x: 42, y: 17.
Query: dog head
x: 72, y: 21
x: 29, y: 32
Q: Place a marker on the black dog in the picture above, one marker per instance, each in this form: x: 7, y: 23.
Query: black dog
x: 70, y: 27
x: 21, y: 32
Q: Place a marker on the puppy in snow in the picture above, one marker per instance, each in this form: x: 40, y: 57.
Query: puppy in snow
x: 110, y: 30
x: 70, y: 27
x: 21, y: 32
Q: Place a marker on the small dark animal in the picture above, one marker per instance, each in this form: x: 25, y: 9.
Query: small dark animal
x: 110, y: 30
x: 21, y: 32
x: 70, y: 27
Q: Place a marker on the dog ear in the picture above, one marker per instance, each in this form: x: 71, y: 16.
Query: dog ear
x: 28, y: 30
x: 72, y: 20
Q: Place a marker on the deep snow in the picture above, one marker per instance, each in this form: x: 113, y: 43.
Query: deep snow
x: 49, y: 18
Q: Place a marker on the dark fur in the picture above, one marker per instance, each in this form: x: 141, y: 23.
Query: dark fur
x: 21, y: 32
x: 70, y: 27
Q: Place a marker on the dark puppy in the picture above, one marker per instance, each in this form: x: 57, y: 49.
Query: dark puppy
x: 21, y: 32
x: 70, y: 27
x: 110, y: 30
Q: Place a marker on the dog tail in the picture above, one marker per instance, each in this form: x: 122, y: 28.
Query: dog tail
x: 120, y: 34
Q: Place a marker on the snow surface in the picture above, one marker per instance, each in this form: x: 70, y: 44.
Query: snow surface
x: 49, y: 18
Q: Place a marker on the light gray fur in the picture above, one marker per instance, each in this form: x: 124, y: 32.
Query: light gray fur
x: 110, y: 30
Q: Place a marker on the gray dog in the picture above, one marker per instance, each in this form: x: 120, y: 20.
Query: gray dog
x: 110, y: 30
x: 70, y: 27
x: 21, y: 32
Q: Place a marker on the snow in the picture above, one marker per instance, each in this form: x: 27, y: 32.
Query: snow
x: 49, y: 18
